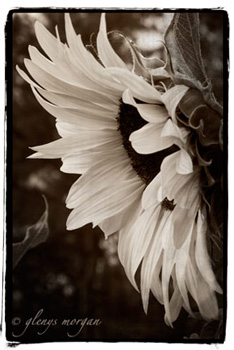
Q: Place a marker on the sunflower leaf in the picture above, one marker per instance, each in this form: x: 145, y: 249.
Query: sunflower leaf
x: 182, y: 40
x: 35, y: 234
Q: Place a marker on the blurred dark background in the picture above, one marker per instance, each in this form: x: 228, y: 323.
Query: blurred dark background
x: 77, y: 274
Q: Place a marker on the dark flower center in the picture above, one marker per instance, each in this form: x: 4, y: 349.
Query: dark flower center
x: 146, y: 166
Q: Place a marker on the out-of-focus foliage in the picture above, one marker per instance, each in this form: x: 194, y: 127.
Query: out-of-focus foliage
x: 77, y: 274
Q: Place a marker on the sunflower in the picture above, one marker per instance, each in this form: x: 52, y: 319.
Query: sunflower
x: 119, y: 130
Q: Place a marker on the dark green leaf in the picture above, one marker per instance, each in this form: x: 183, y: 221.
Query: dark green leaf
x: 35, y: 234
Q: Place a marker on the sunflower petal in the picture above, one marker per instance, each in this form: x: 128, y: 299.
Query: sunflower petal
x: 105, y: 204
x: 184, y: 164
x: 202, y: 256
x: 152, y: 257
x: 85, y: 117
x: 105, y: 51
x: 148, y: 139
x: 150, y: 112
x: 139, y: 88
x: 134, y: 243
x: 48, y: 42
x: 172, y: 97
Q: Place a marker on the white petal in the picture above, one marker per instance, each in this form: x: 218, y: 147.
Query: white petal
x: 119, y: 221
x: 202, y: 293
x: 171, y: 129
x: 94, y: 139
x: 148, y: 139
x: 149, y: 197
x: 152, y: 257
x: 77, y: 163
x: 175, y: 305
x: 182, y: 257
x: 134, y: 243
x: 150, y: 112
x: 202, y: 256
x: 156, y: 284
x: 66, y: 101
x: 85, y: 117
x: 105, y: 51
x: 184, y: 164
x: 105, y: 204
x: 48, y: 66
x: 97, y: 179
x: 172, y: 98
x: 169, y: 253
x: 54, y: 84
x: 139, y: 88
x: 48, y: 42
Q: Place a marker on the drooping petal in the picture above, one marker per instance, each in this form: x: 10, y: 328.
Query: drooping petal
x: 152, y: 257
x: 171, y: 129
x: 184, y: 164
x: 152, y: 113
x: 148, y: 139
x: 202, y: 256
x: 169, y: 254
x: 201, y: 292
x: 134, y: 243
x: 175, y: 305
x: 172, y: 97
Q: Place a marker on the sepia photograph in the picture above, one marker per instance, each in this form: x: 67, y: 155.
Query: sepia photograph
x: 116, y: 198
